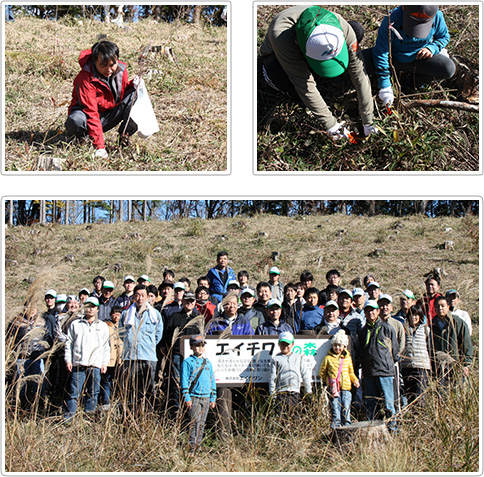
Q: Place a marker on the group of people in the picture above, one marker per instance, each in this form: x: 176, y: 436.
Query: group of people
x: 306, y: 48
x: 131, y: 344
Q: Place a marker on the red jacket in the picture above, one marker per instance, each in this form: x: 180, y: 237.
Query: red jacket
x: 93, y: 96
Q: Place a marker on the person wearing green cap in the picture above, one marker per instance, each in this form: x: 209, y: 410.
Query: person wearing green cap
x: 304, y: 48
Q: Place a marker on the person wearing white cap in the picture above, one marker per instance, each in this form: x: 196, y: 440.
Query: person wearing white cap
x: 374, y: 290
x: 305, y: 48
x: 407, y: 300
x: 60, y: 302
x: 359, y: 299
x: 378, y: 347
x: 124, y: 300
x: 277, y: 288
x: 86, y: 353
x: 84, y: 293
x: 247, y: 298
x: 385, y: 302
x: 288, y: 371
x: 331, y: 323
x: 273, y: 325
x: 350, y: 318
x: 453, y: 299
x: 106, y: 301
x: 177, y: 304
x: 418, y: 37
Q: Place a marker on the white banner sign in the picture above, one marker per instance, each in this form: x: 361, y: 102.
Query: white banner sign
x: 240, y: 360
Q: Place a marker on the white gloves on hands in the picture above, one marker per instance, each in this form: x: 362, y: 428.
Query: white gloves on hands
x: 101, y: 153
x: 338, y: 131
x: 367, y: 130
x: 386, y: 95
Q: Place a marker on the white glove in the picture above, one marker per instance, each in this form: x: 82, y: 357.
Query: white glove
x: 101, y: 153
x: 136, y: 81
x: 367, y: 130
x: 338, y: 131
x: 386, y: 95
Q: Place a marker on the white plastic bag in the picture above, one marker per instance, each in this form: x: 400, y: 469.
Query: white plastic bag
x: 142, y: 113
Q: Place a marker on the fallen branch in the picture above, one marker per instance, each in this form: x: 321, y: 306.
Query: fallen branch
x: 431, y: 103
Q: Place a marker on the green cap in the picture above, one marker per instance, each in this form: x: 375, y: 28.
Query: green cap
x: 320, y: 37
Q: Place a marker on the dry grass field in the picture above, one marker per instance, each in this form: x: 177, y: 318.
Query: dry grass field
x: 441, y: 436
x: 189, y: 95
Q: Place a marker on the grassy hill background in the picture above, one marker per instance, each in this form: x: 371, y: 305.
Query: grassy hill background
x: 189, y: 95
x: 398, y: 251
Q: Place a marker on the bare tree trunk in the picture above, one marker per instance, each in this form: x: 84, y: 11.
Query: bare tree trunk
x: 66, y: 219
x: 121, y: 210
x: 197, y: 14
x: 145, y: 210
x: 421, y: 206
x: 10, y: 213
x: 130, y: 210
x: 371, y: 208
x: 42, y: 211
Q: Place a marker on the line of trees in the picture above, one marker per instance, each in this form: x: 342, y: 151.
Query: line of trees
x: 28, y: 212
x: 213, y: 14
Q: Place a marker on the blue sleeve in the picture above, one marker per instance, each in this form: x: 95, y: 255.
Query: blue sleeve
x: 159, y: 328
x: 186, y: 372
x: 441, y: 36
x: 381, y: 55
x: 213, y: 384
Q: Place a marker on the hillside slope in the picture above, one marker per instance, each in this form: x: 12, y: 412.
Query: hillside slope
x: 398, y: 251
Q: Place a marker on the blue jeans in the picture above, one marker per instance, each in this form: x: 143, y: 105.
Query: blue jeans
x: 107, y: 384
x: 376, y: 389
x: 31, y: 367
x: 340, y: 409
x: 86, y: 378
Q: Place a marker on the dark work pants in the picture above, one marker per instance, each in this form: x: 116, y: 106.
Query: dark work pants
x: 276, y: 77
x: 76, y: 123
x: 422, y: 71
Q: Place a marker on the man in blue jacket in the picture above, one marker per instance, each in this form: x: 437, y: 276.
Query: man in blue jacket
x: 419, y: 36
x: 141, y: 329
x: 220, y: 275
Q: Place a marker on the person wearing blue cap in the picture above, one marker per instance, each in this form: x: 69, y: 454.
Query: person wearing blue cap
x: 303, y: 49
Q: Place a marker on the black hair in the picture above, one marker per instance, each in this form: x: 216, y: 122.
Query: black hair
x: 332, y: 272
x: 306, y: 276
x: 140, y: 286
x: 168, y: 272
x: 106, y: 50
x: 290, y: 285
x: 416, y: 310
x: 331, y: 288
x: 433, y: 277
x: 311, y: 291
x: 223, y: 253
x: 243, y: 273
x: 199, y: 279
x: 440, y: 298
x: 185, y: 279
x: 99, y: 277
x: 84, y: 292
x: 365, y: 280
x: 263, y: 284
x: 152, y: 289
x: 116, y: 309
x: 199, y: 289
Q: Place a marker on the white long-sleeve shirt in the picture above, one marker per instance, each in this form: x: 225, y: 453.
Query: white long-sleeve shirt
x: 87, y: 343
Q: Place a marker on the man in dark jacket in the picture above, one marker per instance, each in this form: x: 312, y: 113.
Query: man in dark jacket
x: 107, y: 301
x: 175, y: 327
x: 451, y: 341
x: 102, y: 96
x: 378, y: 347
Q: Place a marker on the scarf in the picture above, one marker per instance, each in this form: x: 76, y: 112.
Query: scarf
x: 131, y: 313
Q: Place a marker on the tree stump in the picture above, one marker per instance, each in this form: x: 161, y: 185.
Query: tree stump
x: 371, y: 433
